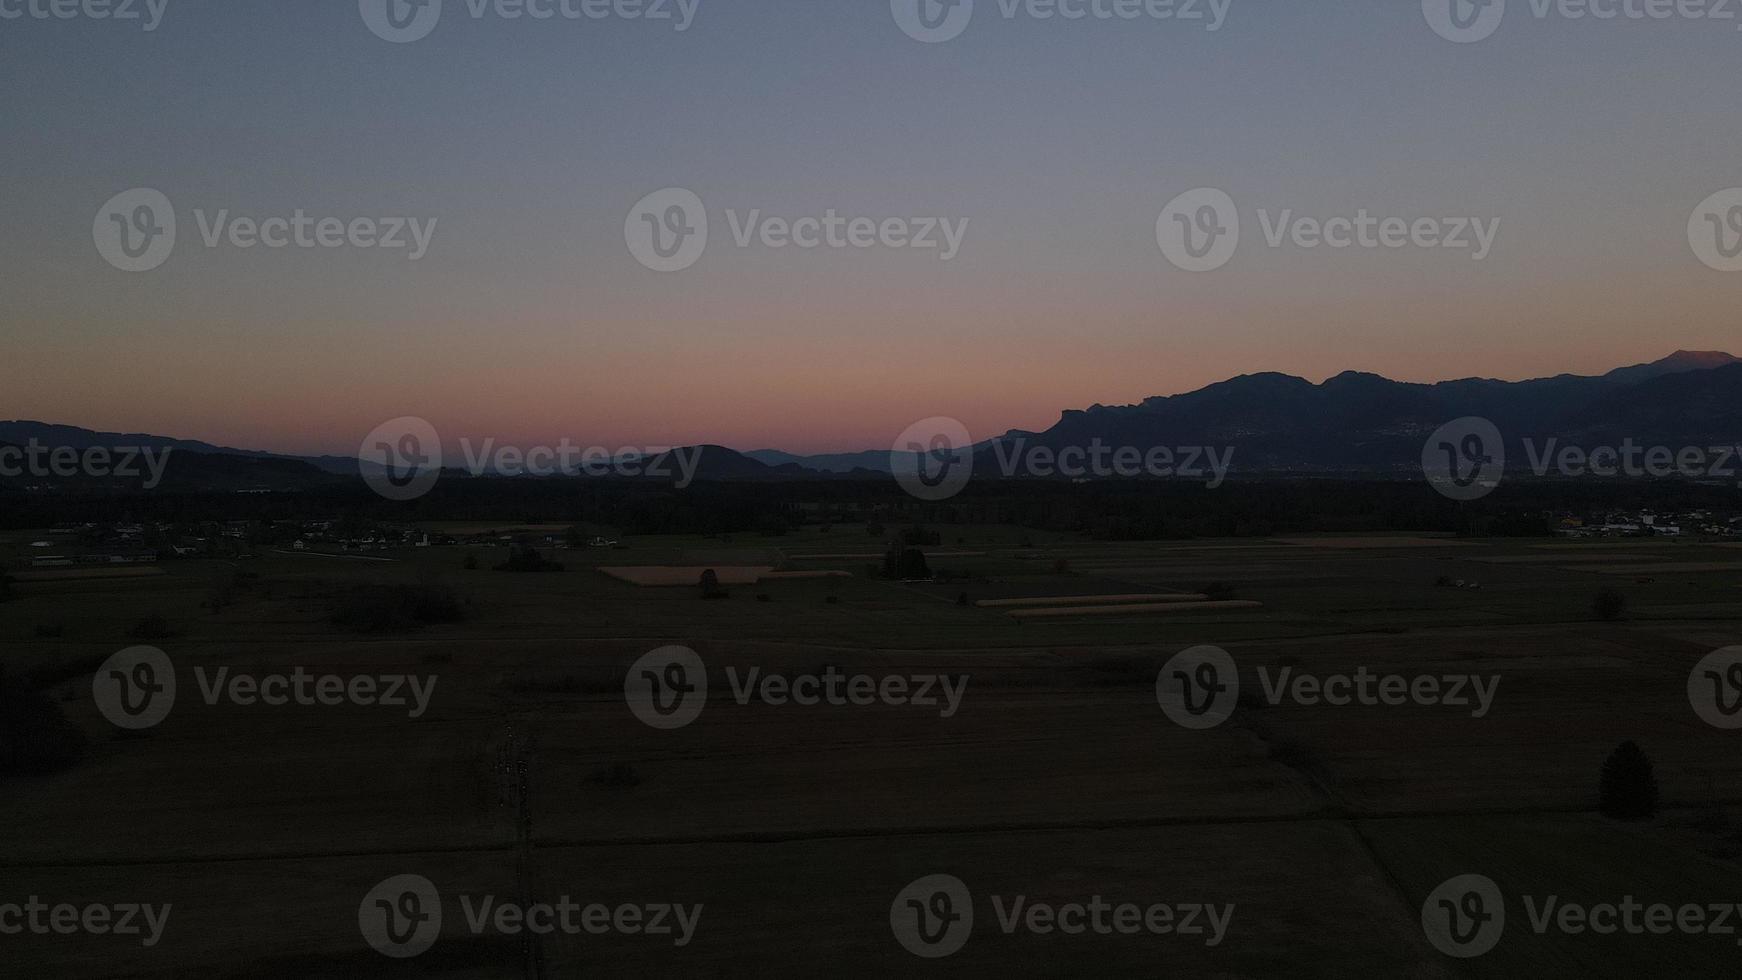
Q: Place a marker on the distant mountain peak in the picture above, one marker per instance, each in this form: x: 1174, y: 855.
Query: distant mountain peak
x: 1681, y: 362
x: 1702, y: 358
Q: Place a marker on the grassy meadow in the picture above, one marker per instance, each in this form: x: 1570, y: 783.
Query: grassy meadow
x: 1058, y: 778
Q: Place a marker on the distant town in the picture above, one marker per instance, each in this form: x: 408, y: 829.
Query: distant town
x: 95, y: 543
x: 121, y: 543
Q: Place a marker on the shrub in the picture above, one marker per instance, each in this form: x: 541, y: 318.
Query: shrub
x: 618, y: 776
x: 905, y: 563
x: 710, y: 585
x: 221, y: 594
x: 545, y: 684
x: 1609, y: 606
x: 1628, y: 788
x: 36, y: 739
x: 60, y: 671
x: 1122, y: 669
x: 524, y: 559
x: 1219, y: 591
x: 152, y: 627
x: 381, y: 608
x: 918, y: 535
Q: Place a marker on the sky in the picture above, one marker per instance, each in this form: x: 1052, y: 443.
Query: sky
x: 529, y: 143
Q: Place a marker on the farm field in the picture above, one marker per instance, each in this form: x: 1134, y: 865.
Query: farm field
x: 1044, y: 767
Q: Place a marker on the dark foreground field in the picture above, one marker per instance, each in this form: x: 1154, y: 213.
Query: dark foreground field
x: 1058, y: 778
